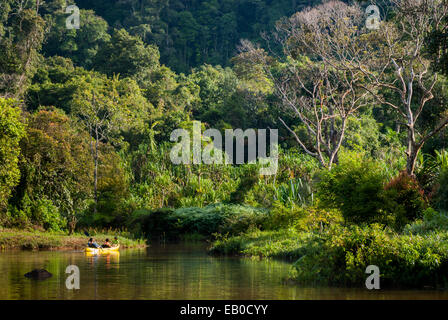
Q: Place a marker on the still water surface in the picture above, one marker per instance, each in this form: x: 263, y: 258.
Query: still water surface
x: 172, y: 271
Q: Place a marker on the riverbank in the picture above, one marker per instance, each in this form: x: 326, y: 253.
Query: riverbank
x: 38, y: 240
x: 281, y: 244
x: 339, y: 255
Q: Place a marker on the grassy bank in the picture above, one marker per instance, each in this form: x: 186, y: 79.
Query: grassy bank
x: 283, y: 244
x: 38, y: 240
x: 339, y: 255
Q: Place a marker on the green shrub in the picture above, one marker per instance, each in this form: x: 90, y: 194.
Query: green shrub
x: 432, y: 221
x: 249, y: 179
x: 261, y: 195
x: 280, y: 216
x: 317, y: 219
x: 341, y: 255
x: 433, y: 177
x: 303, y: 219
x: 441, y: 193
x: 436, y: 219
x: 294, y: 163
x: 241, y: 218
x: 39, y: 213
x: 355, y: 187
x: 16, y: 218
x: 45, y: 214
x: 197, y: 220
x: 404, y: 200
x: 222, y: 218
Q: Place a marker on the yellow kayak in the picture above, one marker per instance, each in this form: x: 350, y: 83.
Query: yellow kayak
x: 102, y: 250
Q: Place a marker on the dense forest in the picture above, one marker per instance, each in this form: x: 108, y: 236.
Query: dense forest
x: 86, y: 118
x: 191, y: 33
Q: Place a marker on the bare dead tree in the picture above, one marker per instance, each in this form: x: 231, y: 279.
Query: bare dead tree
x: 312, y: 79
x: 392, y: 59
x: 400, y: 65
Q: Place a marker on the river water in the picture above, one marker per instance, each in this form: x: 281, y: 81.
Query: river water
x: 171, y: 271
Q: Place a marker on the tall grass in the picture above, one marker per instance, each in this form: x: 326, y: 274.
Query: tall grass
x: 296, y: 192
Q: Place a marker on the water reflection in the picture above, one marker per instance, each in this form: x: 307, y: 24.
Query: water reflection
x: 167, y: 272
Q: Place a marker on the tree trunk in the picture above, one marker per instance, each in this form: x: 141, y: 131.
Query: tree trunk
x: 410, y: 165
x: 95, y: 173
x: 412, y: 153
x: 71, y: 226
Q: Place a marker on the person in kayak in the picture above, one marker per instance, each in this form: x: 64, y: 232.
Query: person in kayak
x: 92, y: 244
x: 106, y: 244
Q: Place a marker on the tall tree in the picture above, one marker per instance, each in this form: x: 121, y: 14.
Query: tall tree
x: 21, y: 36
x: 399, y: 72
x: 56, y: 163
x: 11, y: 131
x: 105, y: 107
x: 80, y: 45
x: 310, y: 79
x: 128, y: 56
